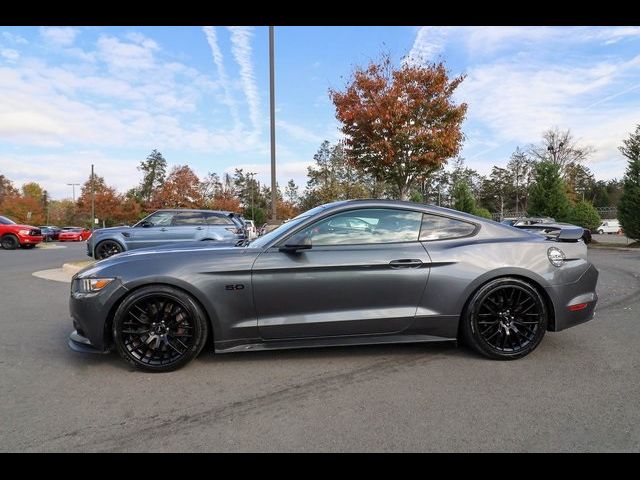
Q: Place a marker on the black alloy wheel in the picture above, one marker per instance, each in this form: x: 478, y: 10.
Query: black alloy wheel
x: 159, y: 328
x: 106, y: 249
x: 9, y: 242
x: 505, y: 319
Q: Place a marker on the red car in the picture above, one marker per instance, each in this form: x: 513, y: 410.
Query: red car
x: 74, y: 234
x: 13, y: 235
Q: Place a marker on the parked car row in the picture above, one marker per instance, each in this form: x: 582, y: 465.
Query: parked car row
x: 161, y: 227
x: 14, y: 235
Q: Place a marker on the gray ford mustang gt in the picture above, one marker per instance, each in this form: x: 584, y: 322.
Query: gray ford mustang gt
x: 344, y: 273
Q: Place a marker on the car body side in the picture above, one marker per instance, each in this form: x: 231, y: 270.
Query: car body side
x: 126, y: 236
x: 226, y: 282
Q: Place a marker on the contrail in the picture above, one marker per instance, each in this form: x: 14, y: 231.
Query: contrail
x: 241, y: 48
x: 224, y: 80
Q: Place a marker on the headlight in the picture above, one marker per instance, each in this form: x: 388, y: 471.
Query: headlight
x: 24, y: 232
x: 556, y: 256
x: 89, y: 285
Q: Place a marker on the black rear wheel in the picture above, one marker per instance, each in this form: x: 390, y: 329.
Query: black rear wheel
x: 505, y: 319
x: 106, y: 249
x: 9, y: 242
x: 159, y: 328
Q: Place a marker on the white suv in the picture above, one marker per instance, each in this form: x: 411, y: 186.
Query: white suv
x: 609, y: 226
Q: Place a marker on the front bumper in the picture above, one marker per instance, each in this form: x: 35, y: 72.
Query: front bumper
x: 91, y: 317
x: 30, y: 239
x: 582, y: 291
x: 81, y: 344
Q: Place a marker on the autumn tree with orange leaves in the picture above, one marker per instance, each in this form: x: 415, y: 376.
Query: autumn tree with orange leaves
x: 400, y: 123
x: 181, y: 189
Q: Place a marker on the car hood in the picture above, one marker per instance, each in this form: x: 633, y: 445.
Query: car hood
x: 21, y: 227
x: 167, y: 253
x: 112, y: 230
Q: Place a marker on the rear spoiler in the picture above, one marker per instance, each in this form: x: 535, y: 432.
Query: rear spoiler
x: 560, y: 233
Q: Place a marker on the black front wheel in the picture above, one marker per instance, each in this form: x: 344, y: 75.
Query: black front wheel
x: 9, y: 242
x: 107, y: 249
x: 159, y: 328
x: 505, y: 319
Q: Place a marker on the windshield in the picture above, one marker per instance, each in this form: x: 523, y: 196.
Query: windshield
x: 6, y: 221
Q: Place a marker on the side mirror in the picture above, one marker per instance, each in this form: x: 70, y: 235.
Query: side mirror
x: 300, y: 241
x: 146, y: 224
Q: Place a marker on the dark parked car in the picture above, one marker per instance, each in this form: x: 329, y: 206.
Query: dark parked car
x: 345, y: 273
x: 50, y: 232
x: 168, y: 226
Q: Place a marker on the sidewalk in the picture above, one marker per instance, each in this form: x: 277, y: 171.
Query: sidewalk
x: 64, y: 273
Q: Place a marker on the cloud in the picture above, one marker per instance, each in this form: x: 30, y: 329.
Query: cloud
x: 298, y: 132
x: 14, y: 38
x: 227, y: 98
x: 241, y: 48
x: 59, y: 36
x: 9, y: 54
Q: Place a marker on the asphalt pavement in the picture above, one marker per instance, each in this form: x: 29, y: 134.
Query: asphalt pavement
x: 578, y: 391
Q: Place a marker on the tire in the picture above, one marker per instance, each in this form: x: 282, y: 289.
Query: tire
x: 502, y: 312
x: 106, y: 249
x: 9, y: 242
x: 175, y: 334
x: 601, y: 232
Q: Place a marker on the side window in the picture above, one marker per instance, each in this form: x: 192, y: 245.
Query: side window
x: 216, y: 219
x: 188, y: 219
x: 365, y: 226
x: 435, y: 227
x: 161, y: 218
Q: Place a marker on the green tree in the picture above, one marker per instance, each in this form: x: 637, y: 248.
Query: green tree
x: 585, y: 215
x: 548, y: 195
x: 154, y: 170
x: 629, y: 206
x: 463, y: 200
x: 32, y: 189
x: 482, y: 212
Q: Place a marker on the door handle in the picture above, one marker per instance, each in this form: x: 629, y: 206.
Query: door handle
x: 199, y: 228
x: 406, y: 263
x: 163, y: 229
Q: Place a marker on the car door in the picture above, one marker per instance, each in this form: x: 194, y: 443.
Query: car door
x: 152, y: 230
x: 353, y: 281
x: 187, y: 226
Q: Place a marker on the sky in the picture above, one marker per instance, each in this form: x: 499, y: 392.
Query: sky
x: 75, y: 96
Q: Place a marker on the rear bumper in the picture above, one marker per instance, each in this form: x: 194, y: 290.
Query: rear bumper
x: 583, y: 291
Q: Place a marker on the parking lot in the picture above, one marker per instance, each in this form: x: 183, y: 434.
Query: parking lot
x: 578, y: 391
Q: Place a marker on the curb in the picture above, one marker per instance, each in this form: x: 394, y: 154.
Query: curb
x: 72, y: 268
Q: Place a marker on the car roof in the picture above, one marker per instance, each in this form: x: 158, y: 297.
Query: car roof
x: 386, y: 203
x: 197, y: 210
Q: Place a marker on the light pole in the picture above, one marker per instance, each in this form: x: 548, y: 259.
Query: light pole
x: 93, y: 200
x: 251, y: 174
x: 73, y: 189
x: 272, y: 104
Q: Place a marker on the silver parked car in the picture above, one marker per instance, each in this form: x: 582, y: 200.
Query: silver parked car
x: 345, y: 273
x: 167, y: 226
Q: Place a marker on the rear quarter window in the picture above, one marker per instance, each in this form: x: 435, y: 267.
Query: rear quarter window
x: 435, y: 227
